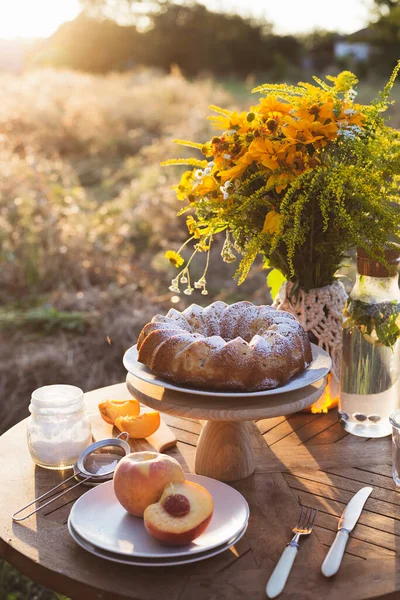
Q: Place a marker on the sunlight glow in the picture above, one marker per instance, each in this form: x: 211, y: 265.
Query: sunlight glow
x: 40, y: 18
x: 34, y: 18
x: 301, y: 16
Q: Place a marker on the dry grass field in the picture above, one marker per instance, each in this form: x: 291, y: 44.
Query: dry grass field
x: 86, y: 214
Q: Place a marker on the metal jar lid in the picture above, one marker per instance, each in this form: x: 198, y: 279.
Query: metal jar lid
x: 372, y: 268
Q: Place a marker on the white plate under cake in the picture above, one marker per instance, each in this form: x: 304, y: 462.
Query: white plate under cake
x: 316, y: 371
x: 240, y: 347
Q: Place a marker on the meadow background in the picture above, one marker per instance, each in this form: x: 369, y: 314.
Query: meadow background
x: 86, y: 211
x: 86, y: 215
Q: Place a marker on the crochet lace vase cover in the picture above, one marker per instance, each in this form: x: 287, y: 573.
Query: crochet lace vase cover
x: 320, y: 311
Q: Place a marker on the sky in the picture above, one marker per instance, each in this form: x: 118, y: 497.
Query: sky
x: 301, y: 16
x: 40, y: 18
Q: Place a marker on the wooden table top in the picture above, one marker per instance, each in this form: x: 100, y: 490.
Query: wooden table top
x: 300, y: 459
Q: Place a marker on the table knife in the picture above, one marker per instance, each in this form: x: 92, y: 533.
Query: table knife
x: 347, y: 522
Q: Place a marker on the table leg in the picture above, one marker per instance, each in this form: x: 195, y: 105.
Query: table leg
x: 224, y: 451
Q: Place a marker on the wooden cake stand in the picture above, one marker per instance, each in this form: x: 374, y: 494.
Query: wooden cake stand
x: 224, y: 450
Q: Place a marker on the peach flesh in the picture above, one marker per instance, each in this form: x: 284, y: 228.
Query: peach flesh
x: 110, y: 410
x: 177, y: 539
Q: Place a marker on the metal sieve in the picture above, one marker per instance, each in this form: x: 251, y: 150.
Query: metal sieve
x: 96, y: 464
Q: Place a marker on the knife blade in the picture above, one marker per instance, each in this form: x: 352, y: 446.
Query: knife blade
x: 347, y: 522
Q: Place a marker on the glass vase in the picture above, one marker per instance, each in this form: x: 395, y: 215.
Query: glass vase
x: 370, y: 372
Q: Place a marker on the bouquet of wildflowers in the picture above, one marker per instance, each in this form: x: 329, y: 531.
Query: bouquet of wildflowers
x: 301, y: 177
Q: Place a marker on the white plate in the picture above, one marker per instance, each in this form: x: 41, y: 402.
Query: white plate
x: 98, y: 518
x: 320, y: 366
x: 155, y: 562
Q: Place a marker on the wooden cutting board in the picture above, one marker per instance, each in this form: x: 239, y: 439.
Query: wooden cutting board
x: 160, y: 441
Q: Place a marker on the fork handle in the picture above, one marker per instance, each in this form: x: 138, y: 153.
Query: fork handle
x: 279, y: 576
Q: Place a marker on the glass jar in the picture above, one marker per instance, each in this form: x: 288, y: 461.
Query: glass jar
x: 370, y: 366
x: 58, y: 428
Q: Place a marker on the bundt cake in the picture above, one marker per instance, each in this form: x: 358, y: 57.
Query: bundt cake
x: 238, y: 347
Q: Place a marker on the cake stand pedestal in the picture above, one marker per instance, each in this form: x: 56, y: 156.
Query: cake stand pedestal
x: 225, y: 449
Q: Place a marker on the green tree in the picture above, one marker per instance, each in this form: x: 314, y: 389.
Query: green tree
x: 385, y: 4
x: 200, y: 40
x: 385, y: 29
x: 92, y: 45
x: 124, y: 12
x: 187, y: 35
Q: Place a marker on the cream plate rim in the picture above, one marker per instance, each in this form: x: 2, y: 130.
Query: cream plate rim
x: 316, y: 370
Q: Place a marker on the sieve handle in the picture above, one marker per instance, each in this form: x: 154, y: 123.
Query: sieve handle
x: 79, y: 470
x: 18, y: 519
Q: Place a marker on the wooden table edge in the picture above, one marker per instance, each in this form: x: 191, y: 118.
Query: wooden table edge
x: 54, y: 581
x: 70, y: 587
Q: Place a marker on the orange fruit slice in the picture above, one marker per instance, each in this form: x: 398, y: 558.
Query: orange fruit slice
x: 141, y: 426
x: 110, y: 410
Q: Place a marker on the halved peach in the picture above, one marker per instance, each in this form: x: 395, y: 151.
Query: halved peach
x: 110, y: 410
x: 182, y: 513
x: 141, y: 426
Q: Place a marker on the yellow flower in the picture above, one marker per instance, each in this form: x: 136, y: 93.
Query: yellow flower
x: 268, y: 152
x: 184, y: 187
x: 202, y: 246
x: 272, y: 222
x: 344, y: 81
x: 318, y: 111
x: 309, y: 131
x: 174, y: 258
x: 296, y: 160
x: 352, y: 114
x: 233, y: 121
x: 271, y: 107
x: 207, y: 185
x: 238, y: 169
x: 191, y: 224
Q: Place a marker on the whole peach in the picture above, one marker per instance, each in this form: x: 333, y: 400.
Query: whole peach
x: 140, y: 478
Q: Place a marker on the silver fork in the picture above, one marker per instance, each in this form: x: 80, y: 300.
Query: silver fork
x: 304, y: 526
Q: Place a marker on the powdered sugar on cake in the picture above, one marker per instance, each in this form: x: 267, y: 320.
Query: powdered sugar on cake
x: 239, y: 347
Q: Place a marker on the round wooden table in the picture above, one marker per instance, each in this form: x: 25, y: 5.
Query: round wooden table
x: 299, y: 459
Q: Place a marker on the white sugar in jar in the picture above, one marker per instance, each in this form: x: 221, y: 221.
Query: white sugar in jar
x: 58, y: 428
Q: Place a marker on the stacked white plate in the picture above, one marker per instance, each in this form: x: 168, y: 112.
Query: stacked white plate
x: 100, y: 525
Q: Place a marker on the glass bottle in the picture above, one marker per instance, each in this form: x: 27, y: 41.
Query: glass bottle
x: 395, y: 422
x: 58, y: 428
x: 370, y: 365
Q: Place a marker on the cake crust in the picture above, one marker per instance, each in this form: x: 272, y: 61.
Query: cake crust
x: 237, y: 347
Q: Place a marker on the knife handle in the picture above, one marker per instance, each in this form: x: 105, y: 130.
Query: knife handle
x: 278, y: 579
x: 332, y: 561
